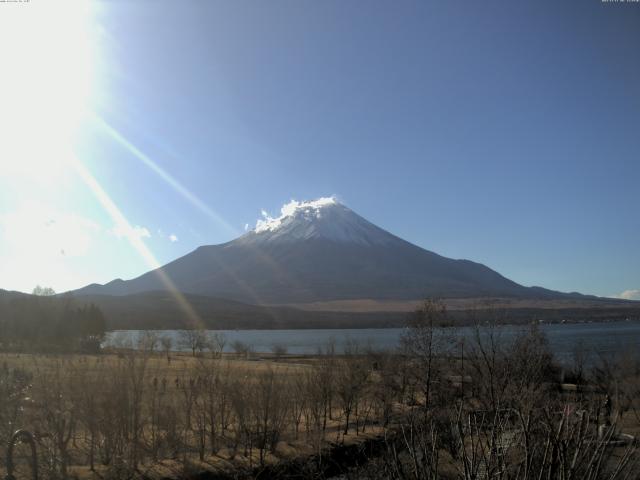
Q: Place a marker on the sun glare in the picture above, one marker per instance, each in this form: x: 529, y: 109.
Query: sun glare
x: 45, y: 89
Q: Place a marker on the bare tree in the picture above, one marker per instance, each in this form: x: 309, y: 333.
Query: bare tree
x: 387, y: 387
x: 194, y: 340
x: 270, y: 408
x: 189, y: 393
x: 92, y: 382
x: 43, y: 291
x: 218, y: 341
x: 298, y: 401
x: 351, y: 378
x: 58, y: 414
x: 148, y: 341
x: 167, y: 343
x: 426, y: 342
x: 210, y: 384
x: 136, y: 367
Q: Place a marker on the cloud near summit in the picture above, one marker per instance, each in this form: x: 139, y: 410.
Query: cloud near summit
x: 288, y: 209
x: 126, y: 231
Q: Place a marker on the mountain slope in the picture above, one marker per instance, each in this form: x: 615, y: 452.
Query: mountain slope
x: 321, y: 251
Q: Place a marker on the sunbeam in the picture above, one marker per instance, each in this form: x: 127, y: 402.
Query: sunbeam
x: 188, y: 195
x: 164, y: 175
x: 136, y: 241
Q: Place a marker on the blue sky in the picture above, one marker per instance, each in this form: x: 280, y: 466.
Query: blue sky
x: 499, y: 131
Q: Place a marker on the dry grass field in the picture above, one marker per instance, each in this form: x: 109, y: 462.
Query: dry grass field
x: 166, y: 406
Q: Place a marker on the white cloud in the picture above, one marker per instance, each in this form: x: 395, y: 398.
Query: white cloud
x: 141, y: 232
x: 246, y: 227
x: 289, y: 209
x: 173, y: 238
x: 131, y: 232
x: 633, y: 294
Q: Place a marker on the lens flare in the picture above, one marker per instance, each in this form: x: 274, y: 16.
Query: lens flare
x: 163, y: 174
x: 122, y: 224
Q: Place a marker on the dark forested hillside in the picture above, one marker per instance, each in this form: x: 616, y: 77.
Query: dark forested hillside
x: 37, y: 323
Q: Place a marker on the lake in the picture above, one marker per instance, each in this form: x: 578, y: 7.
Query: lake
x: 597, y: 338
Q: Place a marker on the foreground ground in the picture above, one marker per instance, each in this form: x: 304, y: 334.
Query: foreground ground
x: 170, y: 372
x: 488, y: 410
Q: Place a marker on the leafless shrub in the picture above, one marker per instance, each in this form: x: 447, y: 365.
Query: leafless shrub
x: 279, y: 350
x: 618, y: 375
x: 241, y: 349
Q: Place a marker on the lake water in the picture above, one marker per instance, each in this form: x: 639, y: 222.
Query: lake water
x: 597, y: 338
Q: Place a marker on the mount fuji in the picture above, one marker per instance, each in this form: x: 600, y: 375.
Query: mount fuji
x: 321, y: 251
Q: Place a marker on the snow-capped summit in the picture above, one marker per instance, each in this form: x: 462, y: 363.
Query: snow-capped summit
x: 324, y: 218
